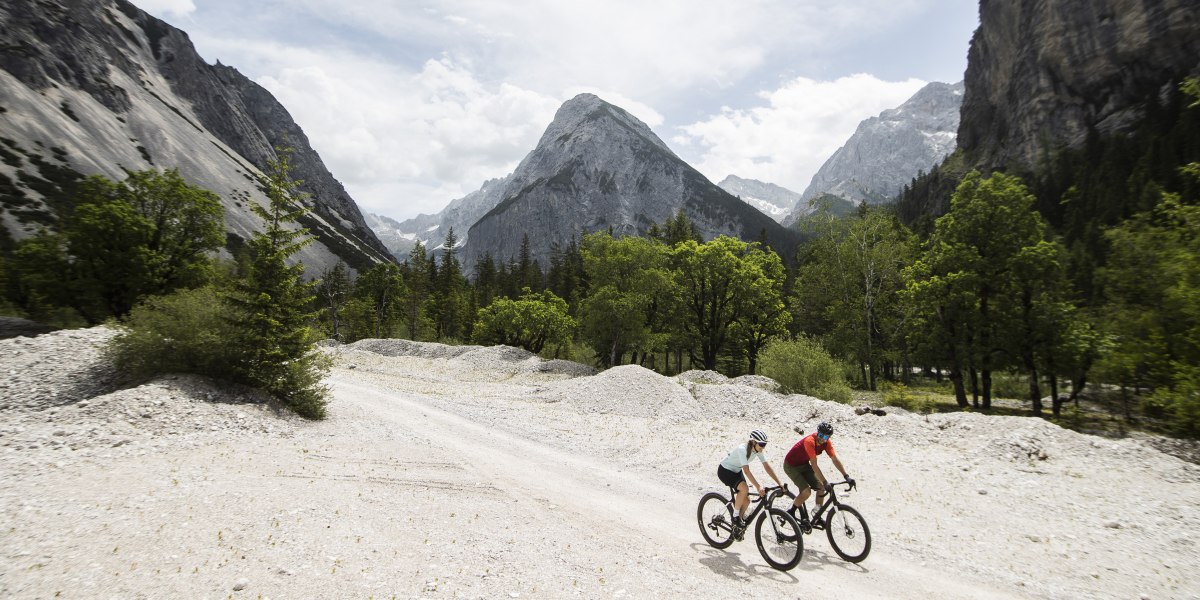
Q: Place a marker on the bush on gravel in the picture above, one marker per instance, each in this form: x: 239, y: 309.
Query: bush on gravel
x: 802, y: 366
x: 185, y: 332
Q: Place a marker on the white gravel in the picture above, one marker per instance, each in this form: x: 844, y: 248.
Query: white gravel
x: 488, y: 472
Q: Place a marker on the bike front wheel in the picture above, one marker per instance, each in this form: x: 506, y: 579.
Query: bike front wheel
x: 716, y: 520
x: 848, y: 533
x: 779, y: 539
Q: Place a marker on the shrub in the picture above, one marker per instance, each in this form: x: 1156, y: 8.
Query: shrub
x: 802, y: 366
x: 1010, y: 385
x: 897, y: 394
x: 185, y: 332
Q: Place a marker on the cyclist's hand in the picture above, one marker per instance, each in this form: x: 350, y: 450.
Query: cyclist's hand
x: 850, y: 480
x: 828, y: 487
x: 760, y: 489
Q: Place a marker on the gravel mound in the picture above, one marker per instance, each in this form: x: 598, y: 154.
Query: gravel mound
x: 54, y: 369
x: 398, y: 347
x: 506, y: 360
x: 757, y: 381
x: 626, y: 390
x: 698, y: 376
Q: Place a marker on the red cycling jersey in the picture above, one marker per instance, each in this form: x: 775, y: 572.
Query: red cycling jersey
x: 806, y: 449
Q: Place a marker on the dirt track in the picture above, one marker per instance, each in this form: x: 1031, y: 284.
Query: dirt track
x: 434, y: 480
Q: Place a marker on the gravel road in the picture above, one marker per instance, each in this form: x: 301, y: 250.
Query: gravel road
x: 488, y: 473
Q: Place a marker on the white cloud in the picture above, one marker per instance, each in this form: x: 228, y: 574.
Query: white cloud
x: 167, y: 8
x: 788, y: 139
x: 412, y: 103
x: 403, y: 142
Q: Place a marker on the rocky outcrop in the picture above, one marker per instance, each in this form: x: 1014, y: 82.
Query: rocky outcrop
x: 772, y: 200
x: 888, y: 150
x: 102, y: 87
x: 1043, y: 73
x: 598, y: 168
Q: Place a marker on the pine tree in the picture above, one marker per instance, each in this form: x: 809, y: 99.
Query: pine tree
x: 273, y: 300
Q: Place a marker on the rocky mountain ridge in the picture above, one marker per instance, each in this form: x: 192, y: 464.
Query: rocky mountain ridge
x: 599, y: 168
x: 1044, y: 73
x: 888, y: 150
x: 595, y: 168
x: 772, y: 200
x: 102, y: 87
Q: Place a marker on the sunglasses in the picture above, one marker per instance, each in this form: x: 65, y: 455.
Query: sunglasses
x: 822, y: 437
x: 761, y: 444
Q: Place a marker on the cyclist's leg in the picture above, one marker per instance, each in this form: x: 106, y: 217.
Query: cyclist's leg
x: 803, y: 488
x: 743, y: 499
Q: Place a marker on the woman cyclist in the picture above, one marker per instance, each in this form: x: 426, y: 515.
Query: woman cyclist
x: 735, y: 470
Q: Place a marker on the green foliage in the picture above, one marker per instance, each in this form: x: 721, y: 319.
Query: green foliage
x: 716, y: 282
x: 802, y: 366
x: 147, y: 235
x: 532, y: 322
x: 631, y: 296
x: 984, y: 296
x: 187, y: 331
x: 272, y: 314
x: 898, y: 394
x: 332, y: 293
x: 383, y: 291
x: 846, y: 288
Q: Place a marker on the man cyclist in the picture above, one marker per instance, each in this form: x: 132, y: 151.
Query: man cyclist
x: 800, y: 464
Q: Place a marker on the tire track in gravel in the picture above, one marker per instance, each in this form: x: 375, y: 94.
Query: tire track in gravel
x: 627, y: 506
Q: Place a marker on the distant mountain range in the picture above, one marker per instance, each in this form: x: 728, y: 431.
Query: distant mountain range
x: 596, y: 168
x: 888, y: 150
x: 101, y: 87
x: 774, y: 201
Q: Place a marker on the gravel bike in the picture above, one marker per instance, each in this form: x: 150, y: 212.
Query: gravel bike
x: 777, y: 533
x: 845, y: 527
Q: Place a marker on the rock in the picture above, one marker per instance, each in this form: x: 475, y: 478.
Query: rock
x: 888, y: 150
x: 241, y: 584
x: 84, y: 52
x: 1014, y: 114
x: 623, y: 174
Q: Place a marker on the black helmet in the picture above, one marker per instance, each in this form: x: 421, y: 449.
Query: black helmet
x: 825, y: 429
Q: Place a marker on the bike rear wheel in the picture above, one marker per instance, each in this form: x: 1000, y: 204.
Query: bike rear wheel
x: 779, y: 539
x: 848, y: 533
x: 716, y: 520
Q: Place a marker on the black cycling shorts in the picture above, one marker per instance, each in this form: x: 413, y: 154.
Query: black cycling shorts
x: 730, y: 478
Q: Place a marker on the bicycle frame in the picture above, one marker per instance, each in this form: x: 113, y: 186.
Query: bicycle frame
x: 758, y: 505
x: 829, y: 501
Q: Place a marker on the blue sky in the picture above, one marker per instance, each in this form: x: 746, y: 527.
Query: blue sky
x: 412, y: 103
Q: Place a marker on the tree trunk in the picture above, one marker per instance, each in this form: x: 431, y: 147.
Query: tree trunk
x: 986, y: 376
x: 975, y: 387
x: 1035, y: 391
x: 862, y: 369
x: 612, y: 354
x: 960, y: 392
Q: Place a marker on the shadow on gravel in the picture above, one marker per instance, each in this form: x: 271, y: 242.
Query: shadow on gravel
x: 817, y: 559
x: 729, y: 564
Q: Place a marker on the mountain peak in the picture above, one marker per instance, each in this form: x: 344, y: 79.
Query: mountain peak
x: 589, y: 110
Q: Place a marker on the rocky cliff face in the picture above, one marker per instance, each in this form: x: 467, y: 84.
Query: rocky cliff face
x: 597, y: 168
x: 772, y: 200
x: 100, y: 87
x: 1042, y: 73
x: 888, y: 150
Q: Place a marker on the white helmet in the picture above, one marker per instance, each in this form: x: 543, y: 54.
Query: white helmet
x: 759, y: 436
